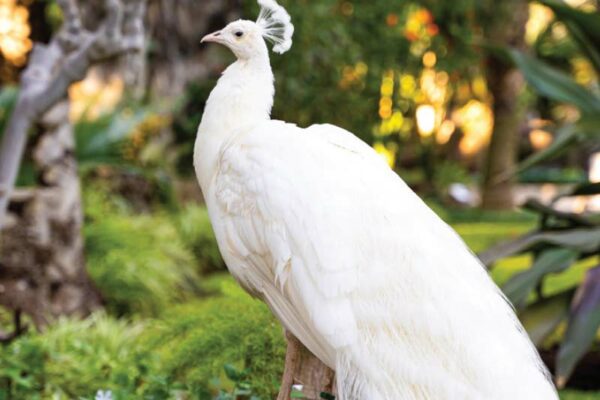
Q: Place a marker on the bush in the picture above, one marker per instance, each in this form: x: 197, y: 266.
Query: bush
x: 197, y: 235
x: 75, y: 359
x: 207, y: 348
x: 195, y: 341
x: 138, y: 262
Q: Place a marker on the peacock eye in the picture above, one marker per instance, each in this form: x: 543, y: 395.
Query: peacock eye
x: 239, y: 34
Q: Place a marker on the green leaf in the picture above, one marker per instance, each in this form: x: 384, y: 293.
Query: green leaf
x: 232, y: 372
x: 100, y: 141
x: 586, y: 189
x: 583, y: 240
x: 542, y: 318
x: 566, y: 136
x: 585, y: 43
x: 583, y: 326
x: 545, y: 210
x: 583, y: 26
x: 554, y: 83
x: 518, y: 288
x: 589, y: 126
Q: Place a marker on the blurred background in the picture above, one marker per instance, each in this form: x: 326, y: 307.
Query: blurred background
x: 111, y: 284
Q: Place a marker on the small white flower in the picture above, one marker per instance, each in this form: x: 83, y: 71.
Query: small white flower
x: 104, y: 395
x: 298, y: 388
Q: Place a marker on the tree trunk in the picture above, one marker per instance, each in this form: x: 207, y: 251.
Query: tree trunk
x: 502, y: 152
x: 305, y: 373
x: 42, y: 271
x: 506, y: 84
x: 42, y: 268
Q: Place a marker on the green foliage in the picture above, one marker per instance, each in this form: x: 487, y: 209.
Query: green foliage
x: 561, y: 238
x: 555, y: 84
x: 242, y: 388
x: 449, y: 172
x: 554, y: 260
x: 197, y: 339
x: 197, y: 235
x: 562, y: 242
x: 218, y: 347
x: 185, y: 124
x: 54, y: 15
x: 138, y: 262
x: 100, y: 141
x: 75, y: 359
x: 551, y: 82
x: 553, y: 175
x: 583, y: 27
x: 333, y: 36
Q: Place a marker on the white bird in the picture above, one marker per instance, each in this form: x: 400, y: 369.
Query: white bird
x: 344, y: 253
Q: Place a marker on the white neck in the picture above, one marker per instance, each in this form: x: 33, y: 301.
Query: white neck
x: 242, y: 98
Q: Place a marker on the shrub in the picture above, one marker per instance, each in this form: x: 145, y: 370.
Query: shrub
x: 138, y: 262
x: 196, y: 340
x: 218, y: 346
x: 197, y: 235
x: 75, y: 359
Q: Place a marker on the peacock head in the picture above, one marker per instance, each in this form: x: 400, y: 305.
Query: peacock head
x: 246, y: 39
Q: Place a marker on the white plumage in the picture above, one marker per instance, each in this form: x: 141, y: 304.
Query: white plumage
x: 350, y: 260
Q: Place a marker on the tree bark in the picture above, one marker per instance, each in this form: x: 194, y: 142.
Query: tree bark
x: 506, y: 84
x: 305, y: 373
x: 54, y: 67
x: 42, y: 267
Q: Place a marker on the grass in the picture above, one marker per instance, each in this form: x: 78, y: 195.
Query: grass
x: 574, y: 395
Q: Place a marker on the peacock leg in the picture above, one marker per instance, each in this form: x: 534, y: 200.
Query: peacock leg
x: 291, y: 361
x: 302, y: 368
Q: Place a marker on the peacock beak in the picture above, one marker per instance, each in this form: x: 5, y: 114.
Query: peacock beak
x: 214, y: 37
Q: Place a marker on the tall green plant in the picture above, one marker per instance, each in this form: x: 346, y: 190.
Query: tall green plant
x: 562, y: 239
x: 558, y: 86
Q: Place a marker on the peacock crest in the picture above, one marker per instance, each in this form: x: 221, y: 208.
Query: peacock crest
x: 276, y: 25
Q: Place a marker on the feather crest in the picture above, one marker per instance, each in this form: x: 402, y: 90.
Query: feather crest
x: 276, y: 25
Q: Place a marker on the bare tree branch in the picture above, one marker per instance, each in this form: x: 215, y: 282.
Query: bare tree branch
x: 54, y: 67
x: 114, y: 19
x: 71, y: 15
